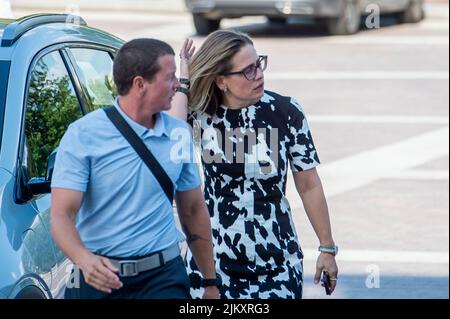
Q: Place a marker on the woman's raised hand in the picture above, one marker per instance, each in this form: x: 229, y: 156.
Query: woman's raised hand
x: 186, y: 52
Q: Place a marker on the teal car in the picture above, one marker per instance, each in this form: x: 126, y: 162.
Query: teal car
x: 53, y: 70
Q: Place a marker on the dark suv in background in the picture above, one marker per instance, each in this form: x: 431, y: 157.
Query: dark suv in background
x: 53, y: 70
x: 340, y: 16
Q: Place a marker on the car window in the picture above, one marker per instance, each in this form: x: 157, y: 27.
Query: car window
x: 95, y: 72
x: 51, y: 106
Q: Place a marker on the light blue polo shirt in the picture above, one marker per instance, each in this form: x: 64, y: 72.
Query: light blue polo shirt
x: 125, y: 212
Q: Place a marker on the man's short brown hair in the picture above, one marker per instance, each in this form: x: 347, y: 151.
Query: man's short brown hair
x: 138, y: 57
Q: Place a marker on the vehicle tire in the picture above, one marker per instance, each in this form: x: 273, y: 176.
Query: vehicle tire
x: 349, y: 20
x: 277, y: 20
x: 414, y: 13
x: 203, y: 25
x: 31, y: 293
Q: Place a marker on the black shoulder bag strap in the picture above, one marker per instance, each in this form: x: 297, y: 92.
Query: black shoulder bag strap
x: 142, y: 150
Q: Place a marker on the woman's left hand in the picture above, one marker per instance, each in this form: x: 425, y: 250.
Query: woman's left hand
x: 327, y: 263
x: 186, y: 52
x: 211, y: 292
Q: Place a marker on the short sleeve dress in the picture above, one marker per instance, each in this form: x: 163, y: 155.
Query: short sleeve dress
x: 245, y: 157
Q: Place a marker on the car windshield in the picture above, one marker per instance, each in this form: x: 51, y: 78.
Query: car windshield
x: 4, y: 73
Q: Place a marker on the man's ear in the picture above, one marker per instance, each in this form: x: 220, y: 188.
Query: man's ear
x: 138, y: 84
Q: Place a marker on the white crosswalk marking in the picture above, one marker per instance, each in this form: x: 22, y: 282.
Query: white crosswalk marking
x: 383, y: 119
x: 385, y: 256
x: 429, y: 175
x: 395, y: 40
x: 358, y: 170
x: 359, y: 75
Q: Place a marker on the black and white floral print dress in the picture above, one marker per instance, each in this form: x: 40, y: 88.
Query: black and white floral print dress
x: 245, y: 155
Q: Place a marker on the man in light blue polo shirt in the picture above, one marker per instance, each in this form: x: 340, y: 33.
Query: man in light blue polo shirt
x: 123, y: 216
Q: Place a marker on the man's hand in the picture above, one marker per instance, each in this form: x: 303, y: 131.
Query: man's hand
x: 326, y: 262
x: 211, y: 292
x: 99, y: 272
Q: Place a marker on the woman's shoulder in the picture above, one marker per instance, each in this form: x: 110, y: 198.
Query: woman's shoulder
x: 284, y: 105
x: 199, y: 116
x: 273, y: 97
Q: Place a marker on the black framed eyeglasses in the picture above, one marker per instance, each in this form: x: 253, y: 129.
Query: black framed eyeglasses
x: 250, y: 71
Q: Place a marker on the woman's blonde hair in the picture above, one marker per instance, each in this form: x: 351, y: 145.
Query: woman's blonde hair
x: 211, y: 60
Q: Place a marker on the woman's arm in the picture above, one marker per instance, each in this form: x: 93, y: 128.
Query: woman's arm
x: 180, y: 100
x: 310, y: 189
x: 194, y: 219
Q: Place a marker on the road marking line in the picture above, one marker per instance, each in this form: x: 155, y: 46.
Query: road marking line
x: 435, y: 175
x: 433, y: 25
x: 395, y: 119
x: 168, y: 33
x: 383, y: 162
x: 364, y: 75
x: 386, y: 39
x: 436, y: 10
x: 382, y: 256
x: 138, y: 17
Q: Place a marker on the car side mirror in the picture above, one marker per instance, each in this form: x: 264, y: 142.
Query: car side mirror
x: 41, y: 185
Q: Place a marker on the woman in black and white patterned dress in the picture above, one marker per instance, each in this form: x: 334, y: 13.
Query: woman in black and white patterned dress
x: 248, y: 137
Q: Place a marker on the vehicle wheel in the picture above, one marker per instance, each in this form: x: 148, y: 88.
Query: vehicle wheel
x: 414, y: 13
x: 203, y: 25
x: 31, y: 293
x: 277, y: 20
x: 348, y: 22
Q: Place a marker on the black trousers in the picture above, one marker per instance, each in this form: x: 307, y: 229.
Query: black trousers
x: 169, y: 281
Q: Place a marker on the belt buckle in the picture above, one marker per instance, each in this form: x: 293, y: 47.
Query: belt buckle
x: 128, y: 268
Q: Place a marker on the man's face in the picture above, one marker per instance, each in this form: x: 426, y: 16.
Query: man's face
x: 162, y: 87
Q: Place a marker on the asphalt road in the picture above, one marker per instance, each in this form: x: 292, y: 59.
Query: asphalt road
x: 378, y: 107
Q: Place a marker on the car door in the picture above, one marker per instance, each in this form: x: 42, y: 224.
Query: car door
x: 91, y: 69
x: 51, y: 104
x: 63, y: 85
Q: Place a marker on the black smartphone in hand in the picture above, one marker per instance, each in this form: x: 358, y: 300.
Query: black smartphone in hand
x: 326, y: 283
